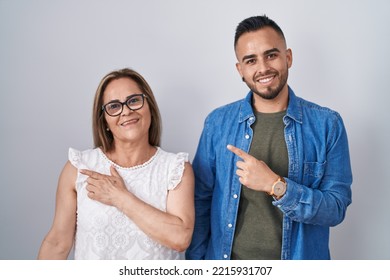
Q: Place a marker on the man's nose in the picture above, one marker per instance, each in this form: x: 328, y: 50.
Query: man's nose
x: 262, y: 67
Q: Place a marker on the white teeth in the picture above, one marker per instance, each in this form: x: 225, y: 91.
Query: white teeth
x: 266, y: 80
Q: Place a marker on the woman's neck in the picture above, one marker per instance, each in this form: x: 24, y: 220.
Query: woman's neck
x: 130, y: 154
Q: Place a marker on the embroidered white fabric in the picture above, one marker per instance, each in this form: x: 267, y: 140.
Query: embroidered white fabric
x: 102, y: 231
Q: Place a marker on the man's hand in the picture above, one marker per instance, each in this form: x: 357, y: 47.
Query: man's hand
x: 253, y: 173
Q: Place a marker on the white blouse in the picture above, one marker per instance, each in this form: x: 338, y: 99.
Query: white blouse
x: 102, y: 231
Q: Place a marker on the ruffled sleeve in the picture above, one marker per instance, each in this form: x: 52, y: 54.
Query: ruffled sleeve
x: 177, y: 170
x: 77, y: 159
x: 74, y: 157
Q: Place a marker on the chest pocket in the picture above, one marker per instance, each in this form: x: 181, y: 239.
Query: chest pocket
x: 313, y: 173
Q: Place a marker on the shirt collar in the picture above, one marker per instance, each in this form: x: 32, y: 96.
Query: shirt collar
x: 294, y: 108
x: 246, y: 110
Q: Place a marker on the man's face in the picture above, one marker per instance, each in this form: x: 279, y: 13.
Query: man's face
x: 263, y: 62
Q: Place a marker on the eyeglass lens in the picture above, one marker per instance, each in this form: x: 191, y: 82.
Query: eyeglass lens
x: 134, y: 102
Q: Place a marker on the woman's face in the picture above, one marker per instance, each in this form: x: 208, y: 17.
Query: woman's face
x: 129, y: 126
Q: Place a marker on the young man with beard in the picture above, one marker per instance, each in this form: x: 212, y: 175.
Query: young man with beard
x: 272, y: 170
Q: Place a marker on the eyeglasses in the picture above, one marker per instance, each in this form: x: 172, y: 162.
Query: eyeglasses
x: 133, y: 102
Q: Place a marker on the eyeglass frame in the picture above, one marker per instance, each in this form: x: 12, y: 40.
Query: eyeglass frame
x: 125, y: 103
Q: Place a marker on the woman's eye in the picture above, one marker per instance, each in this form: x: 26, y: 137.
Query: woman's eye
x: 114, y: 106
x: 134, y: 100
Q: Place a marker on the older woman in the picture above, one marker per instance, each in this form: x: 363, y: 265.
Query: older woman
x: 126, y: 198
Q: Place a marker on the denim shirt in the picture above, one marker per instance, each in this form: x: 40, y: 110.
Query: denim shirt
x: 318, y: 184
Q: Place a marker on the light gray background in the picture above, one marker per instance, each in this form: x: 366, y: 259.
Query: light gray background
x: 54, y: 53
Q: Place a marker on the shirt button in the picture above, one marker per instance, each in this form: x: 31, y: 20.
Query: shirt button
x: 235, y: 196
x: 225, y: 256
x: 230, y: 225
x: 251, y: 119
x: 247, y: 136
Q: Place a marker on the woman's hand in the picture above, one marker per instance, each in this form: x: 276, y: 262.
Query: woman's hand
x: 107, y: 189
x: 172, y: 228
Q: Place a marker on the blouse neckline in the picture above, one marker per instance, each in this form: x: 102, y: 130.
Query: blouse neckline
x: 132, y: 167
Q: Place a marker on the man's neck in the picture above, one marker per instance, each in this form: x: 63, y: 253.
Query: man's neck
x: 275, y: 105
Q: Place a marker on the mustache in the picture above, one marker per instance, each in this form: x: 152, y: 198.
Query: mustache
x: 266, y: 73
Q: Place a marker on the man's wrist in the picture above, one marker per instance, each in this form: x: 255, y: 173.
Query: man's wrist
x: 278, y: 188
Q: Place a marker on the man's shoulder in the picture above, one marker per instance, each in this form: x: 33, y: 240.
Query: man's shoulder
x: 310, y: 107
x: 227, y: 109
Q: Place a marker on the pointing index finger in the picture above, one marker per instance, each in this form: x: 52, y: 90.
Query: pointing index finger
x: 92, y: 174
x: 237, y: 151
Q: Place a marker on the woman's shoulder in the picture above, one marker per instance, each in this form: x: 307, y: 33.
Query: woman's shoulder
x: 80, y: 158
x: 172, y: 156
x: 175, y: 163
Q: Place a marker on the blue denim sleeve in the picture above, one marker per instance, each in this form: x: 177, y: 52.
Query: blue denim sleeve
x: 324, y: 192
x: 204, y: 169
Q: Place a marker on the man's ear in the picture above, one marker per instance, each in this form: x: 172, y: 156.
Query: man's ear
x: 289, y: 57
x: 238, y: 67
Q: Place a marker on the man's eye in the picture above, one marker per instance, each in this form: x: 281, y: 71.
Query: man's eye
x: 271, y: 56
x: 250, y: 61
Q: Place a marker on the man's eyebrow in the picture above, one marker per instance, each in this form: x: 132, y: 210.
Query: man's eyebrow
x: 267, y: 52
x: 271, y: 51
x: 249, y: 56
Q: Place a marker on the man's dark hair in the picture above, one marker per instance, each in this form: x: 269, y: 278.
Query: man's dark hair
x: 256, y: 23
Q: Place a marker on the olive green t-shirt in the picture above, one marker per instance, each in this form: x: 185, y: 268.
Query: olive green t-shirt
x: 258, y: 234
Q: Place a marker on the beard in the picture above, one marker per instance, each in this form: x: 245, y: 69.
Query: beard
x: 269, y: 93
